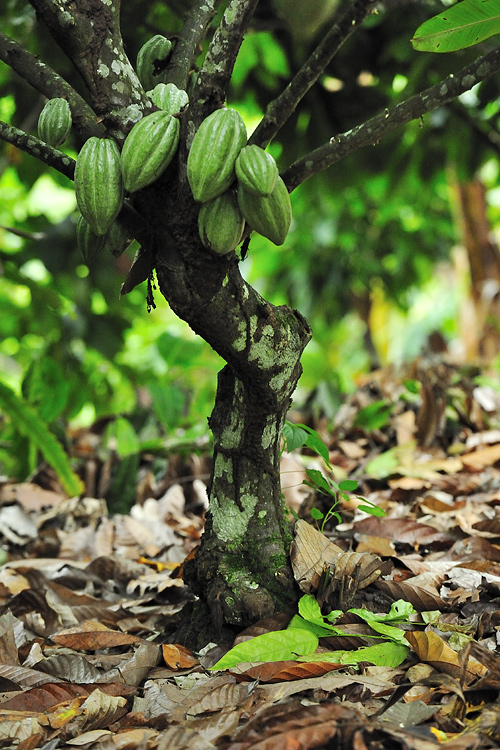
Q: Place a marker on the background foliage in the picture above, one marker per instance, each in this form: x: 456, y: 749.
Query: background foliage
x: 370, y: 244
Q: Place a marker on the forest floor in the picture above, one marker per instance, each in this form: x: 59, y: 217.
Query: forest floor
x: 90, y: 599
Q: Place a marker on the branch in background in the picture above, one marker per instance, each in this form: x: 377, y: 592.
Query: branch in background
x: 484, y: 130
x: 279, y: 110
x: 371, y: 131
x: 188, y: 44
x: 219, y: 61
x: 37, y: 148
x: 88, y: 31
x: 49, y: 83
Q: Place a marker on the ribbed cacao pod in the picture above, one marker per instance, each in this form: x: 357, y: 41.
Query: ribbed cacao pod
x: 213, y: 152
x: 256, y: 170
x: 117, y: 239
x: 99, y: 183
x: 220, y: 223
x: 269, y: 215
x: 54, y: 123
x: 89, y: 243
x: 151, y: 60
x: 149, y: 149
x: 168, y: 97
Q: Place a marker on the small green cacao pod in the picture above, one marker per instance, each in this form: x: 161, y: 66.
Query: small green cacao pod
x: 89, y: 243
x: 220, y: 223
x: 256, y: 170
x: 168, y: 97
x: 99, y: 183
x: 213, y: 152
x: 54, y: 123
x: 117, y: 239
x: 150, y: 61
x: 149, y: 149
x: 269, y: 215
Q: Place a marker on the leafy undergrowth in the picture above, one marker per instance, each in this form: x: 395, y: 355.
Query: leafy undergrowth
x: 395, y: 643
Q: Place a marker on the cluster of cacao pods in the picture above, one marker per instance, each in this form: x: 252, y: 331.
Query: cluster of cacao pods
x: 235, y: 183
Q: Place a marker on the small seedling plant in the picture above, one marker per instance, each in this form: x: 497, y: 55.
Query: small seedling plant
x: 300, y: 435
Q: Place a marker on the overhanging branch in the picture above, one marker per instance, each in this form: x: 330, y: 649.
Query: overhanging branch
x: 280, y: 109
x: 371, y: 131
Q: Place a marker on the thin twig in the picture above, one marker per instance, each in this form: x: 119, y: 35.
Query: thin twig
x: 371, y: 131
x: 279, y: 110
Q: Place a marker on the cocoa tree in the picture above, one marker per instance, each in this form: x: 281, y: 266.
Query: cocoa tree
x: 242, y: 570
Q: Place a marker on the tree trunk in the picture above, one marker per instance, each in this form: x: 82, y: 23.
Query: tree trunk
x: 242, y: 569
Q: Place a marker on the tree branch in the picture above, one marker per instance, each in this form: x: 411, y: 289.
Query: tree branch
x: 37, y: 148
x: 88, y: 31
x: 279, y: 110
x: 187, y: 46
x: 219, y: 61
x: 49, y: 83
x: 371, y: 131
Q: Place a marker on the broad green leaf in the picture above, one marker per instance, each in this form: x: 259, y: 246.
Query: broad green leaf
x: 294, y: 436
x: 318, y: 481
x: 310, y: 610
x: 27, y: 421
x: 321, y: 630
x: 462, y: 25
x: 317, y: 514
x: 372, y: 509
x: 348, y: 485
x: 315, y: 443
x: 399, y: 612
x: 279, y: 645
x: 381, y: 655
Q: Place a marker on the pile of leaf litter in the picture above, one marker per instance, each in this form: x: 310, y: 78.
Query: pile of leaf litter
x: 395, y: 640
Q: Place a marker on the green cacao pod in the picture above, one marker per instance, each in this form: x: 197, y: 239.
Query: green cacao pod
x: 213, y: 152
x: 89, y: 243
x: 150, y: 61
x: 256, y: 170
x: 54, y: 123
x: 99, y: 183
x: 269, y: 215
x: 220, y: 223
x: 117, y: 239
x: 149, y: 149
x: 168, y: 97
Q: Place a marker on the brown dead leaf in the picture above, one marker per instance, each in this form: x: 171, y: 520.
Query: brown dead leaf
x: 422, y: 599
x: 481, y: 458
x: 404, y: 531
x: 430, y: 648
x: 280, y: 671
x: 178, y: 657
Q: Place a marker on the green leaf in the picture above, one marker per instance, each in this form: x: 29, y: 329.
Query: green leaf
x: 399, y: 612
x: 46, y: 388
x: 372, y: 509
x: 323, y: 630
x: 318, y: 481
x: 348, y: 485
x: 279, y: 645
x: 294, y: 436
x: 460, y: 26
x: 121, y: 436
x: 315, y: 443
x: 27, y: 421
x: 374, y: 416
x: 317, y: 514
x: 309, y: 609
x: 381, y: 655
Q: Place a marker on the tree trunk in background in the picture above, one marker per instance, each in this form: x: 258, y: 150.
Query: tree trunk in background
x: 481, y: 320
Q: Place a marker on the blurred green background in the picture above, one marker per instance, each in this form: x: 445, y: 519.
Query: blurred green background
x: 374, y: 258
